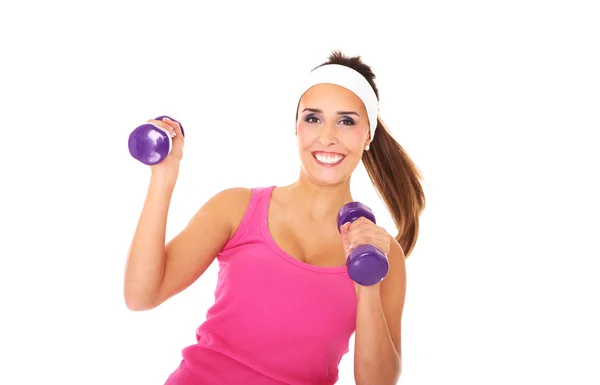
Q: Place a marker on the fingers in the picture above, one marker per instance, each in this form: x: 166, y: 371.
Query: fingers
x: 173, y: 124
x: 362, y: 227
x: 364, y: 232
x: 344, y: 232
x: 165, y: 126
x: 364, y: 238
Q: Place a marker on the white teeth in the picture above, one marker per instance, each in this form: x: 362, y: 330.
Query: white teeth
x: 329, y: 158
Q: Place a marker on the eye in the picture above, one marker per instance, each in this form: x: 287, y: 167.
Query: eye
x: 347, y: 121
x: 311, y: 119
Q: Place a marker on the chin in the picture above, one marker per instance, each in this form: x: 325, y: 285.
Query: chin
x: 326, y: 181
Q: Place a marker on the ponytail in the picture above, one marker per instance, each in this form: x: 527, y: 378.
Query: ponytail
x: 397, y: 180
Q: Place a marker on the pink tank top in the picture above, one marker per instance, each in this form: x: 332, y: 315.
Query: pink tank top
x: 275, y: 320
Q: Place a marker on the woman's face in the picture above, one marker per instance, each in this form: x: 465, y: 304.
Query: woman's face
x: 332, y: 132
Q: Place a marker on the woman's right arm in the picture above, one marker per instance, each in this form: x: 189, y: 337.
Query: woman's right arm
x: 155, y: 271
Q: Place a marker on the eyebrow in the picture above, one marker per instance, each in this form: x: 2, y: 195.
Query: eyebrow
x: 338, y: 112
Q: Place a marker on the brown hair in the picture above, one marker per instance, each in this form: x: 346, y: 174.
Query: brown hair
x: 392, y: 171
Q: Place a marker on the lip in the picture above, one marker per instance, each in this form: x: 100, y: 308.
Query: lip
x: 314, y: 154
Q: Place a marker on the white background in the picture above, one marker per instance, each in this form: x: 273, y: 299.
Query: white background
x: 498, y: 103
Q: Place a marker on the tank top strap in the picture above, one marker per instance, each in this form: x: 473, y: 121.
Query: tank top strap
x: 263, y: 198
x: 254, y: 217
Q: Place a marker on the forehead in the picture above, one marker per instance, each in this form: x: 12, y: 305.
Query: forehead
x: 326, y: 96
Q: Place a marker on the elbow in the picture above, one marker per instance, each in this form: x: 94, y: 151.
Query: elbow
x: 392, y: 380
x: 371, y: 381
x: 137, y: 303
x: 389, y: 375
x: 137, y: 306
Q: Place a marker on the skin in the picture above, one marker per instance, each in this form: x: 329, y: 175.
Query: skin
x: 302, y: 220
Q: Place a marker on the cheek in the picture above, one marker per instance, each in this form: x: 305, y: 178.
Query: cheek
x: 305, y: 135
x: 358, y: 135
x: 355, y: 139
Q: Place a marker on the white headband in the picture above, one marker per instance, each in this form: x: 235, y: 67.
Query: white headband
x: 350, y: 79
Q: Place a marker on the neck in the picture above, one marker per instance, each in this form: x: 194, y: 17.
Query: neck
x: 318, y: 201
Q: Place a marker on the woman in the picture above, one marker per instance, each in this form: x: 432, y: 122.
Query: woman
x: 285, y: 306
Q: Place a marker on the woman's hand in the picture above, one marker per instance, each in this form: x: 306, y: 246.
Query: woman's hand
x: 364, y: 232
x: 168, y: 169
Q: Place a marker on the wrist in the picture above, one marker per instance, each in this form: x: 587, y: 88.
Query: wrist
x: 162, y: 181
x: 368, y: 292
x: 164, y: 175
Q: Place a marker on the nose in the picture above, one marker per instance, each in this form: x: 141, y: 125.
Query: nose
x: 328, y: 134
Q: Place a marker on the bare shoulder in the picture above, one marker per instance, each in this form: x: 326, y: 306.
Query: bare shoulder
x: 396, y: 251
x: 233, y: 202
x: 396, y: 279
x: 235, y: 196
x: 233, y: 193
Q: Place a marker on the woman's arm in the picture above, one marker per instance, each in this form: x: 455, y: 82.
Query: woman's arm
x: 155, y: 271
x: 377, y: 352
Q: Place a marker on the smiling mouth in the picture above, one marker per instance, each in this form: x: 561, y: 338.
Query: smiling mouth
x: 328, y: 159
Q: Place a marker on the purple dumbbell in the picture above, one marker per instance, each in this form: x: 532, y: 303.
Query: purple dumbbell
x: 150, y: 144
x: 367, y: 265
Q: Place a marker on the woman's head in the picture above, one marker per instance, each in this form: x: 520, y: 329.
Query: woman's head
x: 338, y: 124
x: 332, y: 130
x: 335, y: 120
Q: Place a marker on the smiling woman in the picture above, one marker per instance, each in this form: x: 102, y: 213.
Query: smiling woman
x: 334, y: 135
x: 285, y: 305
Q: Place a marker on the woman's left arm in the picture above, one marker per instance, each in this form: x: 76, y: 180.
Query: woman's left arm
x: 377, y: 351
